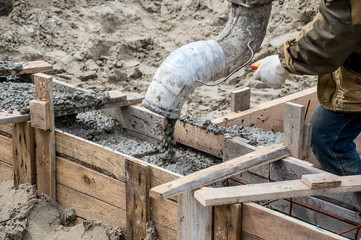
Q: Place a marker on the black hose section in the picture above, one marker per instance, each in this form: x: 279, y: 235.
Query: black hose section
x: 234, y: 71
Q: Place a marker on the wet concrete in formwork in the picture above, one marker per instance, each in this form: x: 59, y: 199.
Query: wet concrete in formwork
x: 100, y: 128
x: 15, y: 96
x: 106, y: 131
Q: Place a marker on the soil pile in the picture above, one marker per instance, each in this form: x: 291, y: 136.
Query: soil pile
x: 118, y: 44
x: 23, y: 216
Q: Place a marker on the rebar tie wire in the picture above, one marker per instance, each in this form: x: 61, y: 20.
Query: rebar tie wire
x: 234, y: 71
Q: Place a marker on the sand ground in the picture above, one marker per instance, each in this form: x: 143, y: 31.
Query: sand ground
x: 118, y: 44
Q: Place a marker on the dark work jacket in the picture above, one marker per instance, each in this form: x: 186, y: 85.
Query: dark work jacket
x: 330, y: 47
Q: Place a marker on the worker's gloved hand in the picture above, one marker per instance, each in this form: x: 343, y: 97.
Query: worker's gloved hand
x: 271, y: 72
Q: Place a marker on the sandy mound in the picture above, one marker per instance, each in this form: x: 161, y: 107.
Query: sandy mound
x: 24, y: 217
x: 120, y: 43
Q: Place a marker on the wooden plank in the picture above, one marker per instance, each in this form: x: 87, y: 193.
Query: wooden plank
x: 34, y: 67
x: 221, y: 171
x: 267, y: 224
x: 6, y: 150
x: 132, y: 99
x: 88, y: 207
x: 24, y: 154
x: 315, y: 218
x: 15, y: 117
x: 90, y: 154
x: 272, y: 190
x: 194, y: 136
x: 289, y: 169
x: 6, y: 130
x: 194, y: 220
x: 7, y: 171
x: 116, y: 96
x: 293, y: 128
x: 140, y: 120
x: 321, y: 180
x: 269, y: 115
x: 240, y: 99
x: 45, y: 140
x: 307, y: 133
x: 137, y: 199
x: 66, y: 87
x: 227, y: 222
x: 165, y: 233
x: 40, y: 114
x: 161, y: 175
x: 164, y: 212
x: 90, y: 182
x: 235, y: 147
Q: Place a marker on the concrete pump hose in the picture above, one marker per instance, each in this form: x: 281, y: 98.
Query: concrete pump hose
x: 177, y: 76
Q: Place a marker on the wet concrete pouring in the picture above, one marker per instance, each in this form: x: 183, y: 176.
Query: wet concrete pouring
x: 104, y: 130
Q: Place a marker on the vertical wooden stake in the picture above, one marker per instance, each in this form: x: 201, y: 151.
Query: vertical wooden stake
x: 45, y: 139
x: 23, y: 154
x: 137, y: 198
x: 194, y: 220
x: 293, y: 129
x: 241, y: 99
x: 227, y: 222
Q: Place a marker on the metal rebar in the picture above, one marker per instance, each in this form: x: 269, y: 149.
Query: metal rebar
x: 304, y: 205
x: 349, y: 230
x: 268, y: 202
x: 291, y: 205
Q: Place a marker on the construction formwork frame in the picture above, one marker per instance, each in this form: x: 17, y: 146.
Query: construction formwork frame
x: 102, y: 184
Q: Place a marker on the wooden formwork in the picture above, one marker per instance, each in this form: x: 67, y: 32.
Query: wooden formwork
x: 109, y: 186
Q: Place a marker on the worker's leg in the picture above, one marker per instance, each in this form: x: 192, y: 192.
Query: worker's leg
x: 332, y: 141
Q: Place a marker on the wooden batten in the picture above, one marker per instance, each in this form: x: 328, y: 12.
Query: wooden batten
x: 221, y: 171
x: 45, y: 139
x: 91, y: 155
x: 34, y: 67
x: 269, y: 115
x: 15, y: 117
x: 7, y: 171
x: 194, y: 220
x: 272, y: 190
x: 23, y: 154
x: 137, y: 198
x: 164, y: 212
x: 322, y: 180
x: 140, y: 122
x: 90, y: 182
x: 40, y: 114
x: 6, y: 130
x: 227, y: 222
x: 263, y: 223
x: 240, y: 99
x: 6, y: 147
x: 194, y: 136
x: 293, y: 129
x: 88, y: 207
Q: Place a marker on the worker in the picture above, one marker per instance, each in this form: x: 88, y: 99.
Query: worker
x: 330, y: 47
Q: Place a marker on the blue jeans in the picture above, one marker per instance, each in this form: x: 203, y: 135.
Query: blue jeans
x: 332, y: 141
